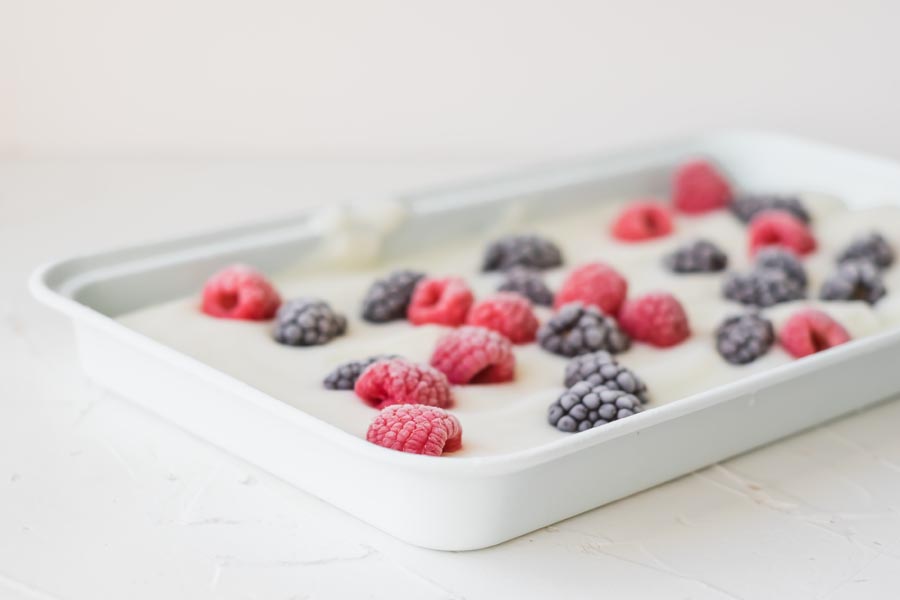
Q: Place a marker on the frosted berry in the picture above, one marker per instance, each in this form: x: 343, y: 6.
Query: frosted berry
x: 593, y: 284
x: 443, y: 301
x: 742, y: 339
x: 656, y: 318
x: 872, y: 247
x: 584, y: 406
x: 344, y: 376
x: 600, y: 368
x: 416, y: 429
x: 698, y: 188
x: 577, y: 329
x: 307, y: 322
x: 388, y: 298
x: 854, y: 280
x: 747, y: 206
x: 782, y: 259
x: 474, y: 355
x: 240, y: 292
x: 762, y: 287
x: 528, y: 283
x: 809, y: 331
x: 640, y: 221
x: 699, y: 256
x: 506, y: 313
x: 529, y: 250
x: 399, y: 381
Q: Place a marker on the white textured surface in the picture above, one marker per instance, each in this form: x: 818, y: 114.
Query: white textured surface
x: 99, y: 499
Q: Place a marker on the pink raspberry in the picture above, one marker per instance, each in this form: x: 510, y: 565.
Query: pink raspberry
x: 780, y: 228
x: 506, y: 313
x: 416, y: 429
x: 698, y: 188
x: 474, y: 355
x: 240, y: 292
x: 643, y: 220
x: 442, y: 301
x: 594, y: 284
x: 809, y: 331
x: 656, y: 318
x: 398, y: 381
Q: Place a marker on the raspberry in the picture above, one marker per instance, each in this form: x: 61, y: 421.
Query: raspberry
x: 388, y: 298
x: 442, y: 301
x: 747, y: 206
x: 398, y: 381
x: 344, y: 376
x: 741, y: 339
x: 527, y: 283
x: 594, y: 284
x: 872, y: 247
x: 240, y: 292
x: 531, y: 251
x: 780, y: 228
x: 700, y: 256
x: 656, y: 318
x: 583, y: 406
x: 416, y: 429
x: 699, y: 188
x: 506, y: 313
x: 576, y: 329
x: 809, y: 331
x: 474, y: 355
x: 641, y: 221
x: 600, y: 368
x: 854, y: 280
x: 308, y: 322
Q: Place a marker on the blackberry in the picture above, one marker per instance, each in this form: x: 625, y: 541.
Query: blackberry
x: 854, y: 280
x: 527, y: 283
x: 773, y: 257
x: 741, y: 339
x: 600, y: 368
x: 700, y: 256
x: 747, y: 206
x: 307, y: 322
x: 531, y: 251
x: 762, y: 288
x: 583, y: 406
x: 388, y: 298
x: 872, y: 247
x: 576, y: 329
x: 344, y: 376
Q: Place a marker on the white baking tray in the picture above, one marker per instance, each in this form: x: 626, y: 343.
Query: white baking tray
x: 461, y: 503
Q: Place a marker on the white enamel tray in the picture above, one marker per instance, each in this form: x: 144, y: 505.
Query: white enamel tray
x: 466, y: 503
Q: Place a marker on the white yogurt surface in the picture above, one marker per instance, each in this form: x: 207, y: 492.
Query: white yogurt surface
x: 503, y: 418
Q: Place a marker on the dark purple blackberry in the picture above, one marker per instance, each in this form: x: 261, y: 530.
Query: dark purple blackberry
x: 576, y: 329
x: 700, y: 256
x: 762, y: 287
x: 747, y: 206
x: 583, y: 406
x: 388, y: 298
x: 872, y: 247
x: 773, y: 257
x: 600, y: 368
x: 741, y: 339
x: 307, y: 322
x: 530, y: 251
x: 344, y: 376
x: 854, y: 280
x: 527, y: 283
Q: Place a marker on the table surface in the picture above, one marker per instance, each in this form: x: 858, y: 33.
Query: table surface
x: 99, y: 499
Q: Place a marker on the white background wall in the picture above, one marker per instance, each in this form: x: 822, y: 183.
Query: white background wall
x: 460, y: 78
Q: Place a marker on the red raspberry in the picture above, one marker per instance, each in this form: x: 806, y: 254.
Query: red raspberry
x: 474, y: 355
x: 398, y: 381
x: 442, y: 301
x: 643, y: 220
x: 699, y: 188
x: 656, y: 318
x: 594, y: 284
x: 240, y: 292
x: 780, y: 228
x: 809, y: 331
x: 508, y: 314
x: 416, y: 429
